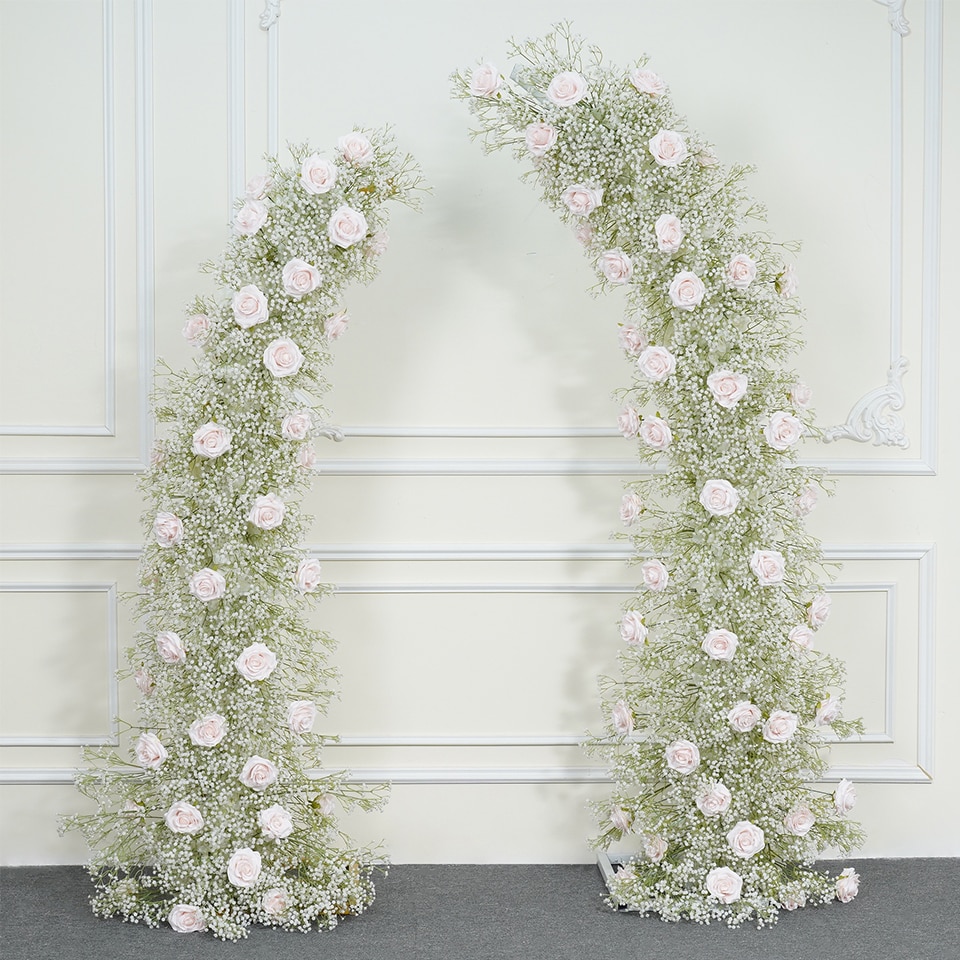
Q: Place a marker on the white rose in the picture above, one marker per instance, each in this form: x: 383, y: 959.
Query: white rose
x: 170, y: 647
x: 745, y: 839
x: 274, y: 901
x: 621, y: 819
x: 794, y: 900
x: 799, y: 821
x: 250, y: 306
x: 818, y: 610
x: 741, y: 271
x: 655, y: 433
x: 668, y: 148
x: 539, y: 137
x: 631, y: 506
x: 250, y: 217
x: 326, y: 803
x: 654, y: 847
x: 308, y: 575
x: 211, y: 440
x: 144, y: 682
x: 783, y: 430
x: 720, y: 644
x: 622, y: 717
x: 713, y: 799
x: 196, y: 329
x: 378, y: 243
x: 207, y: 585
x: 828, y: 710
x: 657, y: 363
x: 769, y: 567
x: 484, y: 81
x: 616, y: 266
x: 318, y: 174
x: 267, y: 512
x: 646, y: 81
x: 567, y: 88
x: 654, y: 574
x: 632, y: 340
x: 168, y: 529
x: 297, y: 425
x: 801, y: 395
x: 258, y: 773
x: 306, y: 456
x: 256, y: 662
x: 346, y: 227
x: 208, y: 730
x: 632, y: 628
x: 150, y: 751
x: 184, y: 817
x: 669, y: 233
x: 844, y: 797
x: 355, y: 148
x: 806, y: 501
x: 301, y: 715
x: 282, y: 357
x: 299, y: 277
x: 186, y: 918
x: 682, y: 756
x: 744, y: 716
x: 334, y: 327
x: 724, y: 884
x: 686, y: 290
x: 719, y: 498
x: 628, y: 422
x: 727, y: 387
x: 275, y: 822
x: 787, y: 283
x: 780, y: 726
x: 244, y: 868
x: 802, y: 637
x: 582, y: 199
x: 258, y: 186
x: 848, y: 885
x: 584, y: 233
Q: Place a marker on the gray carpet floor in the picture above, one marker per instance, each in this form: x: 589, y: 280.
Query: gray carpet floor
x: 906, y: 909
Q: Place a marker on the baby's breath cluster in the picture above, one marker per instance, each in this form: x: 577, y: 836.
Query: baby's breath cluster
x: 211, y: 819
x: 714, y: 728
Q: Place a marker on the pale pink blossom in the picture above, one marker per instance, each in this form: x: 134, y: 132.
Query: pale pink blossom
x: 844, y: 797
x: 646, y: 81
x: 746, y: 839
x: 686, y: 290
x: 668, y: 148
x: 485, y: 81
x: 788, y: 282
x: 207, y: 585
x: 144, y: 682
x: 632, y: 340
x: 150, y: 752
x: 783, y: 430
x: 170, y: 647
x: 306, y: 456
x: 727, y: 387
x: 326, y: 804
x: 780, y: 726
x: 275, y: 822
x: 828, y: 710
x: 183, y: 817
x: 713, y: 799
x: 669, y: 232
x: 211, y: 440
x: 355, y: 148
x: 807, y: 501
x: 256, y: 662
x: 628, y: 422
x: 799, y: 821
x: 186, y: 918
x: 308, y: 574
x: 621, y: 819
x: 267, y: 512
x: 655, y: 847
x: 794, y: 900
x: 818, y: 610
x: 258, y: 773
x: 801, y: 637
x: 622, y: 718
x: 301, y: 715
x: 720, y: 645
x: 208, y: 730
x: 654, y: 574
x: 250, y: 306
x: 196, y: 329
x: 167, y: 529
x: 244, y: 867
x: 741, y: 271
x: 724, y: 884
x: 655, y: 433
x: 296, y: 425
x: 801, y: 395
x: 584, y: 232
x: 346, y: 227
x: 682, y: 756
x: 567, y: 88
x: 719, y: 498
x: 632, y: 628
x: 768, y: 566
x: 299, y: 277
x: 318, y: 174
x: 282, y: 357
x: 274, y: 901
x: 657, y: 363
x: 631, y: 506
x: 616, y: 266
x: 848, y: 885
x: 539, y: 138
x: 743, y: 716
x: 250, y: 217
x: 334, y: 327
x: 581, y: 199
x: 258, y: 186
x: 378, y: 243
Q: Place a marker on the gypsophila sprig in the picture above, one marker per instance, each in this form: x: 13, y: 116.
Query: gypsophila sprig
x: 716, y: 722
x: 213, y: 820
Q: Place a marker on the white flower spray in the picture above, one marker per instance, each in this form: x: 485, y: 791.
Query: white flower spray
x: 715, y: 725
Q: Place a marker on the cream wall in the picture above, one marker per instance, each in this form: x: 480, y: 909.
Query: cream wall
x: 467, y: 516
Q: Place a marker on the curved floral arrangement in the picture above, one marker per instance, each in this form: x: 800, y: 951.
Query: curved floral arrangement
x: 217, y: 823
x: 714, y: 727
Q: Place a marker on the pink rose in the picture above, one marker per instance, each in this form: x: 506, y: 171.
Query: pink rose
x: 727, y: 387
x: 655, y: 847
x: 258, y: 773
x: 539, y: 137
x: 267, y: 512
x: 844, y: 797
x: 801, y: 395
x: 196, y: 329
x: 582, y: 199
x: 301, y: 715
x: 719, y: 498
x: 484, y: 81
x: 168, y: 529
x: 682, y: 756
x: 628, y: 422
x: 250, y: 217
x: 632, y: 628
x: 741, y: 271
x: 144, y: 682
x: 646, y: 81
x: 668, y: 148
x: 346, y: 227
x: 621, y: 819
x: 655, y: 433
x: 807, y: 501
x: 208, y: 730
x: 567, y: 88
x: 828, y: 710
x: 258, y: 186
x: 713, y: 799
x: 186, y: 918
x: 318, y: 174
x: 297, y: 425
x: 631, y: 506
x: 848, y: 885
x: 584, y: 233
x: 306, y: 456
x: 250, y: 306
x: 308, y: 575
x: 746, y: 839
x: 768, y: 566
x: 657, y: 363
x: 355, y: 148
x: 622, y: 718
x: 211, y: 440
x: 207, y: 585
x: 720, y: 644
x: 183, y: 817
x: 780, y: 726
x: 669, y: 233
x: 783, y: 430
x: 300, y: 278
x: 244, y: 867
x: 801, y: 637
x: 282, y: 357
x: 724, y: 884
x: 275, y: 822
x: 632, y: 340
x: 616, y: 266
x: 150, y: 752
x: 170, y: 647
x: 686, y: 290
x: 743, y: 716
x: 799, y: 821
x: 378, y: 243
x: 274, y: 901
x: 334, y: 327
x: 256, y: 662
x: 654, y: 574
x: 794, y: 900
x: 787, y: 283
x: 818, y: 610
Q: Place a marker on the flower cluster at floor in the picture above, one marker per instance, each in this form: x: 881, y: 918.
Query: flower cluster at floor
x: 219, y: 816
x: 713, y: 729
